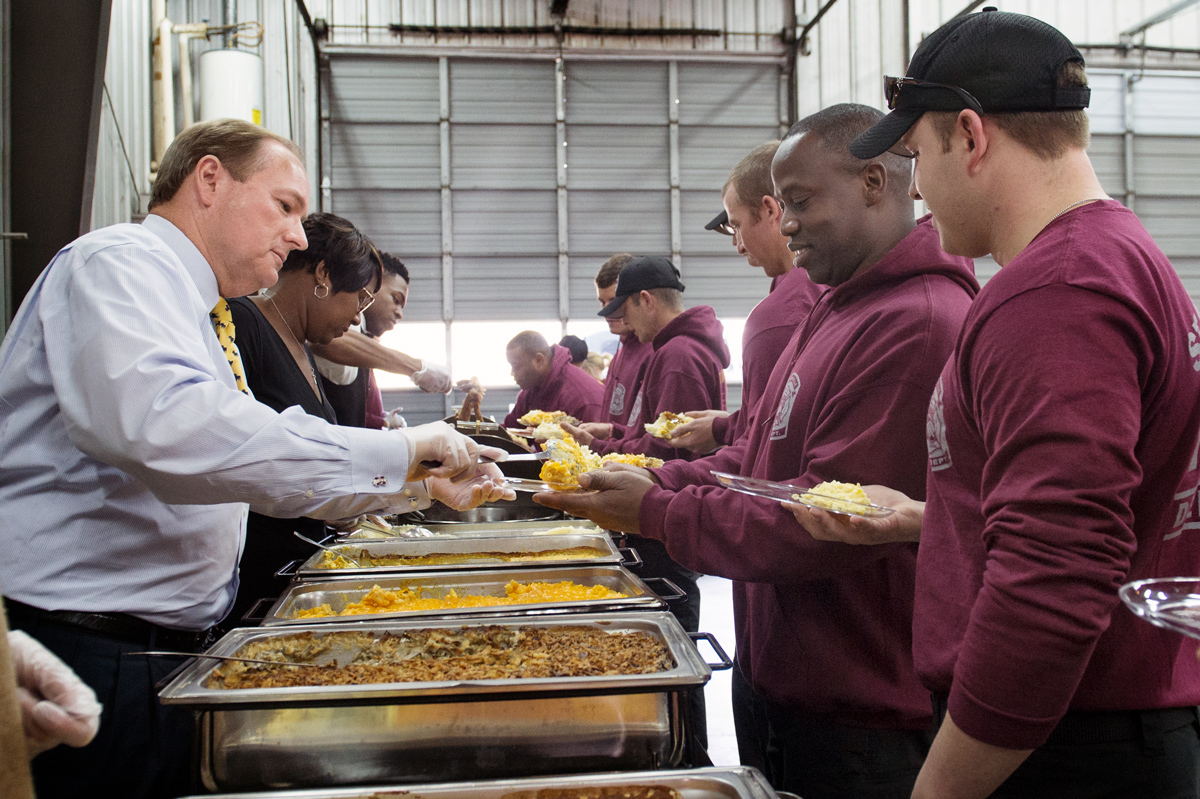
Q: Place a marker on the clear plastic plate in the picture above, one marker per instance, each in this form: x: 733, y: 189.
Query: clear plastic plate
x: 783, y: 492
x: 540, y: 486
x: 1172, y: 603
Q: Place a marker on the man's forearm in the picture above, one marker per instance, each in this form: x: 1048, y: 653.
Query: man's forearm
x: 960, y: 767
x: 357, y: 349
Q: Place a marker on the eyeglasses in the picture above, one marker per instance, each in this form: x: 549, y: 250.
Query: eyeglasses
x: 725, y: 228
x: 365, y: 303
x: 892, y: 87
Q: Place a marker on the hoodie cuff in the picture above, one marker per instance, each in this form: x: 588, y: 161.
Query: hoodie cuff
x: 720, y: 429
x: 652, y: 515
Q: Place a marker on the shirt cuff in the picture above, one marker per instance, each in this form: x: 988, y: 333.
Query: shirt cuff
x: 652, y: 515
x: 993, y: 726
x: 379, y: 461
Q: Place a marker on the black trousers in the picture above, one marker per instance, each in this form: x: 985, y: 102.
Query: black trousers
x: 143, y: 749
x: 819, y: 758
x: 1147, y: 754
x: 657, y: 563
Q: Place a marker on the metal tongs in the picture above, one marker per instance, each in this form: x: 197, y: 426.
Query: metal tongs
x: 167, y: 653
x: 330, y: 550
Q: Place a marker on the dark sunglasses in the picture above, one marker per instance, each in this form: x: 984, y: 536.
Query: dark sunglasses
x: 892, y: 87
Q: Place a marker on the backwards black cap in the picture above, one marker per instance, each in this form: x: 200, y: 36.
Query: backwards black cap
x: 991, y: 62
x: 643, y: 274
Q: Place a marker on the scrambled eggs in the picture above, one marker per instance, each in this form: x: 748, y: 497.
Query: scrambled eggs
x: 380, y: 600
x: 665, y: 423
x: 835, y: 496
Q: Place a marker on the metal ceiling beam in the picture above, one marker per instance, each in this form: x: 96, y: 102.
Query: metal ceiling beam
x: 1126, y: 36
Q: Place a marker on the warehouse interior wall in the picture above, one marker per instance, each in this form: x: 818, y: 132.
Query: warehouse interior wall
x: 436, y: 125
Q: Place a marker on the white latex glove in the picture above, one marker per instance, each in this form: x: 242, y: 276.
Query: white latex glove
x: 394, y: 420
x: 56, y: 706
x: 432, y: 378
x: 438, y: 450
x: 486, y: 486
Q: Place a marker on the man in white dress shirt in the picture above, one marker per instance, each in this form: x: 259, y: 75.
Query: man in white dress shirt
x: 129, y: 458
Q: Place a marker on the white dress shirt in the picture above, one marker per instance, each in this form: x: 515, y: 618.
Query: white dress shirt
x: 128, y: 457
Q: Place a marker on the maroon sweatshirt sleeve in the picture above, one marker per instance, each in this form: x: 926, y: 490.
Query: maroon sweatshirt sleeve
x: 1059, y: 432
x: 520, y: 408
x: 676, y: 391
x: 724, y: 426
x: 714, y: 530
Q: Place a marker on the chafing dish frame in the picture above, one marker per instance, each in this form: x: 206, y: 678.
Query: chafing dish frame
x: 383, y: 547
x: 713, y: 782
x: 406, y: 732
x: 309, y: 594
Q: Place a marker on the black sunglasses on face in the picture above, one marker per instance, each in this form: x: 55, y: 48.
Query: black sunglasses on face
x: 893, y: 86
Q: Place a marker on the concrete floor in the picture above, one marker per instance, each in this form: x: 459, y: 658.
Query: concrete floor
x: 716, y: 617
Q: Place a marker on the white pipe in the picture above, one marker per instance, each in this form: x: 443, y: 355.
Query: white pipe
x: 164, y: 86
x: 186, y: 33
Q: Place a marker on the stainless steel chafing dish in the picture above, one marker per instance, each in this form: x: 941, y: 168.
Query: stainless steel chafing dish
x: 508, y: 529
x: 432, y: 731
x: 418, y: 547
x: 340, y: 593
x: 701, y: 783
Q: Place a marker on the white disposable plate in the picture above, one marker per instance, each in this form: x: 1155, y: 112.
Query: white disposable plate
x: 782, y: 492
x: 1172, y: 603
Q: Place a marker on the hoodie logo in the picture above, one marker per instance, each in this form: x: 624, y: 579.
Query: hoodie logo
x: 935, y: 432
x: 635, y: 413
x: 783, y: 414
x: 1194, y: 342
x: 617, y: 404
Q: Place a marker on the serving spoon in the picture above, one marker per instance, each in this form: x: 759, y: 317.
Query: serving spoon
x: 330, y: 550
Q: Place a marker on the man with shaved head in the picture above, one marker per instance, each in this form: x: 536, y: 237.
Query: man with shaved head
x: 824, y: 632
x: 548, y: 382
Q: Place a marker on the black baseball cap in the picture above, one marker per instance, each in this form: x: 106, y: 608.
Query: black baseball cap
x: 990, y: 62
x: 644, y: 273
x: 720, y: 223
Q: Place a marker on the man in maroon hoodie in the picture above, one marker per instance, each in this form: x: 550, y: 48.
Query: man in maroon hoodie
x: 823, y: 629
x: 1062, y: 440
x: 685, y: 371
x: 548, y: 381
x: 625, y: 369
x: 752, y: 217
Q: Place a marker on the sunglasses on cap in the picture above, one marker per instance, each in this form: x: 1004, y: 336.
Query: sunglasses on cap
x: 893, y: 87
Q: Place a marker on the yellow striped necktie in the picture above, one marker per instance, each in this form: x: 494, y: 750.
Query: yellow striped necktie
x: 222, y: 320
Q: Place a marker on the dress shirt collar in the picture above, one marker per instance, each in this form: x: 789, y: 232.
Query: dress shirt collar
x: 195, y: 264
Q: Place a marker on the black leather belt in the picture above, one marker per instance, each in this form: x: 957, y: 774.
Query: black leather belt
x: 118, y: 626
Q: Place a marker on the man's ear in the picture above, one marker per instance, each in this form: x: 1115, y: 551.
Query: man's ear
x: 207, y: 175
x: 769, y: 207
x: 970, y: 131
x: 874, y: 182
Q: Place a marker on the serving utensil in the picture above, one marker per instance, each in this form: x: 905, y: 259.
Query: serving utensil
x: 167, y: 653
x: 330, y: 550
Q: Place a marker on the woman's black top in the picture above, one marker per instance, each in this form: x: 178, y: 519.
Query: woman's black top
x: 276, y: 380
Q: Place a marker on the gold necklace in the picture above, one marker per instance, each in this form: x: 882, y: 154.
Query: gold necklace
x: 303, y: 351
x: 1074, y: 205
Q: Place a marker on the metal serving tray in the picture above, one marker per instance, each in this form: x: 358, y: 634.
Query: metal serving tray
x: 701, y: 783
x: 510, y: 529
x: 253, y: 739
x: 510, y: 544
x: 340, y: 593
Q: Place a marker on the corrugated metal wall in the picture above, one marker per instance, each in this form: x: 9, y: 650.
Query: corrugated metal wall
x: 447, y: 147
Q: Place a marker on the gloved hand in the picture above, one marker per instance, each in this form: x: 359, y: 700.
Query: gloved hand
x: 394, y: 420
x: 432, y: 378
x: 438, y: 450
x: 486, y: 486
x: 56, y: 706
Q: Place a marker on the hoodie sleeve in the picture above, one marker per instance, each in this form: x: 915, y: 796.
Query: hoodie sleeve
x: 676, y: 391
x: 519, y: 409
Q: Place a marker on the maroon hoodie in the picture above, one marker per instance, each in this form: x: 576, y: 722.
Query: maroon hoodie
x: 1062, y: 463
x: 685, y: 373
x: 826, y: 628
x: 566, y: 388
x: 623, y: 378
x: 768, y: 329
